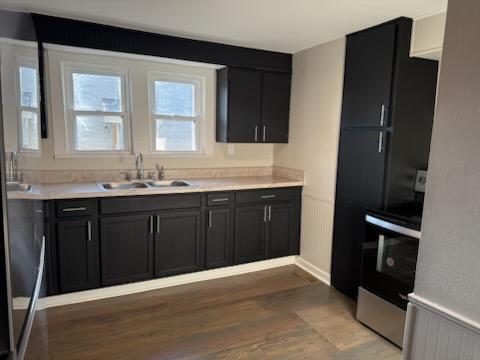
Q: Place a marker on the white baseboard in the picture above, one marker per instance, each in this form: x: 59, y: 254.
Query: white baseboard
x: 318, y: 273
x: 435, y: 332
x: 119, y: 290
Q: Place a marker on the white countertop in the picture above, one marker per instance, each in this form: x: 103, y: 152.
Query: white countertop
x: 92, y: 190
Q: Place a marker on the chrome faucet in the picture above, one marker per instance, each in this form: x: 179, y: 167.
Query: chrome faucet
x: 161, y: 172
x: 139, y: 166
x: 12, y: 168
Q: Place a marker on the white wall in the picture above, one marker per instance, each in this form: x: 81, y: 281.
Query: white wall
x: 317, y: 86
x: 216, y: 154
x: 427, y: 36
x: 448, y: 271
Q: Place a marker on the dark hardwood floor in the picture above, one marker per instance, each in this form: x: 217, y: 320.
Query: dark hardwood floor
x: 272, y: 314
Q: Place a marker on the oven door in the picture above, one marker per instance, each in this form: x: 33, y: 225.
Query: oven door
x: 389, y: 260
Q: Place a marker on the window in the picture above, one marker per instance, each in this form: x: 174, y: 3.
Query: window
x: 177, y: 108
x: 97, y: 119
x: 28, y: 109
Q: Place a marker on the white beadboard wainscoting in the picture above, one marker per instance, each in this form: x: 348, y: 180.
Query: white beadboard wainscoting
x: 433, y: 332
x: 316, y: 237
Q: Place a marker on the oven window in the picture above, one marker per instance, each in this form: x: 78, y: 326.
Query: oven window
x: 397, y: 257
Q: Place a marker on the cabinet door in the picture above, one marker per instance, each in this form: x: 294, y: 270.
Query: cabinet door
x: 127, y: 249
x: 244, y: 104
x: 219, y: 250
x: 250, y: 233
x: 177, y: 243
x: 360, y: 181
x: 78, y: 260
x: 368, y: 77
x: 275, y: 107
x: 281, y: 230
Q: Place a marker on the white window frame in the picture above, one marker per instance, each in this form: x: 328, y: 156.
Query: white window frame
x: 30, y: 63
x: 199, y: 83
x: 68, y: 69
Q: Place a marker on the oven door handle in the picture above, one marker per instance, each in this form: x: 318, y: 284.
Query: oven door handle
x: 393, y: 227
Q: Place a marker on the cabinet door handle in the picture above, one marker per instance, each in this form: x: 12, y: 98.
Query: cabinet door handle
x: 269, y: 213
x: 267, y: 196
x: 89, y: 230
x: 382, y: 115
x: 264, y: 135
x: 158, y: 224
x: 256, y: 133
x: 380, y: 142
x: 210, y: 218
x: 265, y: 213
x: 73, y: 209
x: 150, y: 224
x: 222, y: 199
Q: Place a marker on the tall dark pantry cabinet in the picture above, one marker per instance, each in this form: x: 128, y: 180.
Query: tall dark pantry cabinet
x: 387, y: 114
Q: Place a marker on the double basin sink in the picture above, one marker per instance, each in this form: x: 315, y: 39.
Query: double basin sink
x: 133, y: 185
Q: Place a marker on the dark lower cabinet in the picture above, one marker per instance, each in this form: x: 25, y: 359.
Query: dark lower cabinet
x: 250, y: 233
x: 281, y: 230
x: 78, y: 255
x: 219, y: 239
x: 127, y: 249
x: 177, y: 242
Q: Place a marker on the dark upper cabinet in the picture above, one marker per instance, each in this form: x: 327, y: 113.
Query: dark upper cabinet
x: 177, y: 242
x: 127, y: 249
x: 275, y: 107
x: 78, y: 255
x: 379, y: 150
x: 250, y: 233
x: 252, y: 106
x: 281, y: 230
x: 219, y: 239
x: 368, y: 77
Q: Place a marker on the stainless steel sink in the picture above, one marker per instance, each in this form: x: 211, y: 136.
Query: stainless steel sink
x: 168, y: 183
x: 123, y: 185
x: 15, y: 186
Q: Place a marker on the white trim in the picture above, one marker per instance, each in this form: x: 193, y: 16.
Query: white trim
x: 445, y: 313
x: 313, y: 270
x: 26, y: 43
x: 81, y: 50
x: 127, y: 289
x: 424, y: 16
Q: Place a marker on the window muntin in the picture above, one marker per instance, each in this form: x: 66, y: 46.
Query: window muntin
x: 98, y: 120
x: 29, y: 133
x: 176, y: 113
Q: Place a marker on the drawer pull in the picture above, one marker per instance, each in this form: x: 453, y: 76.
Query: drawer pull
x: 73, y: 209
x: 221, y: 199
x: 267, y: 196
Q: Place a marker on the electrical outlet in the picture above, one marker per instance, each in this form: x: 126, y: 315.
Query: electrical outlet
x: 421, y: 181
x: 231, y: 149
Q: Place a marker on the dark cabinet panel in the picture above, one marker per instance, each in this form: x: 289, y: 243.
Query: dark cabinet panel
x: 275, y: 107
x: 127, y: 249
x: 177, y: 243
x: 250, y: 233
x: 78, y: 260
x: 219, y: 240
x: 368, y: 77
x: 360, y: 183
x: 280, y: 230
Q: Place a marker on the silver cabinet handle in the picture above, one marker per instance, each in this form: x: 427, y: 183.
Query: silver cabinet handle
x: 74, y: 209
x: 256, y: 133
x: 158, y: 224
x: 222, y: 199
x: 265, y: 213
x: 382, y: 115
x: 264, y: 135
x: 267, y: 196
x: 89, y: 230
x: 380, y: 142
x: 150, y: 224
x: 210, y: 219
x: 269, y: 213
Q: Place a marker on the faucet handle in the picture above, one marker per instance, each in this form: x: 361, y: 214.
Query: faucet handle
x: 127, y: 175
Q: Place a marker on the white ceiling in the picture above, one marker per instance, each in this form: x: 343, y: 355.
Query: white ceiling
x: 279, y: 25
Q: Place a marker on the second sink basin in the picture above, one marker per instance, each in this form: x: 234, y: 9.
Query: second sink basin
x: 168, y: 183
x: 124, y: 185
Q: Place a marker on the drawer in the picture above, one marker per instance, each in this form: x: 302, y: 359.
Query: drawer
x: 267, y: 195
x: 73, y: 208
x: 149, y: 203
x: 219, y: 199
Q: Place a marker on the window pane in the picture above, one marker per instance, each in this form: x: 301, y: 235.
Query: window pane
x: 92, y: 92
x: 28, y: 86
x: 29, y: 130
x: 175, y: 135
x: 174, y: 98
x: 99, y: 133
